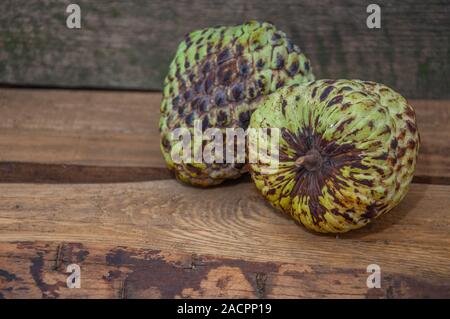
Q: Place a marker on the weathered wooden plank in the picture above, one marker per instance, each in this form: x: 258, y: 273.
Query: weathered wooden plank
x: 120, y: 129
x: 129, y: 44
x: 232, y: 221
x: 38, y: 270
x: 100, y: 128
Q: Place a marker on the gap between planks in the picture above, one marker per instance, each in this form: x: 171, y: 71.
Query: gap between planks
x: 11, y: 172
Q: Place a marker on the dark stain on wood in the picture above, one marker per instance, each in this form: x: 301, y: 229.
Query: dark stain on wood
x: 36, y: 271
x: 73, y: 253
x: 170, y: 279
x: 261, y: 279
x: 222, y: 282
x: 142, y: 273
x: 8, y: 276
x: 394, y: 286
x: 112, y: 274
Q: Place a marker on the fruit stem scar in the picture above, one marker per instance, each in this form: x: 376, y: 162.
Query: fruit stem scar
x: 312, y: 160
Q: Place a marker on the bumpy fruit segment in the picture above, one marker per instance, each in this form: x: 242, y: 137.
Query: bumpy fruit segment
x: 215, y: 78
x: 348, y: 151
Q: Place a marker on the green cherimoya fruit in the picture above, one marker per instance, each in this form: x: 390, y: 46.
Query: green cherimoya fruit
x: 347, y: 152
x: 214, y: 78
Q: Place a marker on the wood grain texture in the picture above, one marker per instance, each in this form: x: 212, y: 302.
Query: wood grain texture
x: 38, y: 270
x: 129, y: 44
x: 120, y: 130
x: 100, y: 128
x: 231, y: 221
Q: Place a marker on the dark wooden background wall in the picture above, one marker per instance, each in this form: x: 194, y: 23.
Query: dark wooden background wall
x: 129, y: 44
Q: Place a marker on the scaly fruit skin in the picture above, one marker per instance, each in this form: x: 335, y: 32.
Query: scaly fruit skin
x: 348, y: 151
x: 215, y: 76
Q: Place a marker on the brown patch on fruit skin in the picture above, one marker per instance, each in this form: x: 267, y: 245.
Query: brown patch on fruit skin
x: 394, y: 143
x: 410, y: 112
x: 402, y: 134
x: 345, y: 106
x: 326, y: 92
x: 411, y: 126
x: 335, y: 100
x: 373, y: 210
x: 401, y: 152
x: 283, y: 107
x: 320, y: 162
x: 341, y: 126
x: 411, y: 144
x: 383, y: 156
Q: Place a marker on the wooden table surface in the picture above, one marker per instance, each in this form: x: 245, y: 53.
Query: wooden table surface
x: 82, y: 181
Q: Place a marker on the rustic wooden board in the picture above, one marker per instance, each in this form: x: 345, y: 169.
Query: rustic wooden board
x: 158, y: 238
x: 129, y: 44
x: 38, y: 270
x: 100, y: 128
x: 119, y: 132
x: 233, y: 222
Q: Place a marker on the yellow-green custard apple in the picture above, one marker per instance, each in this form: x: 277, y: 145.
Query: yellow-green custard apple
x: 347, y: 152
x: 215, y: 78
